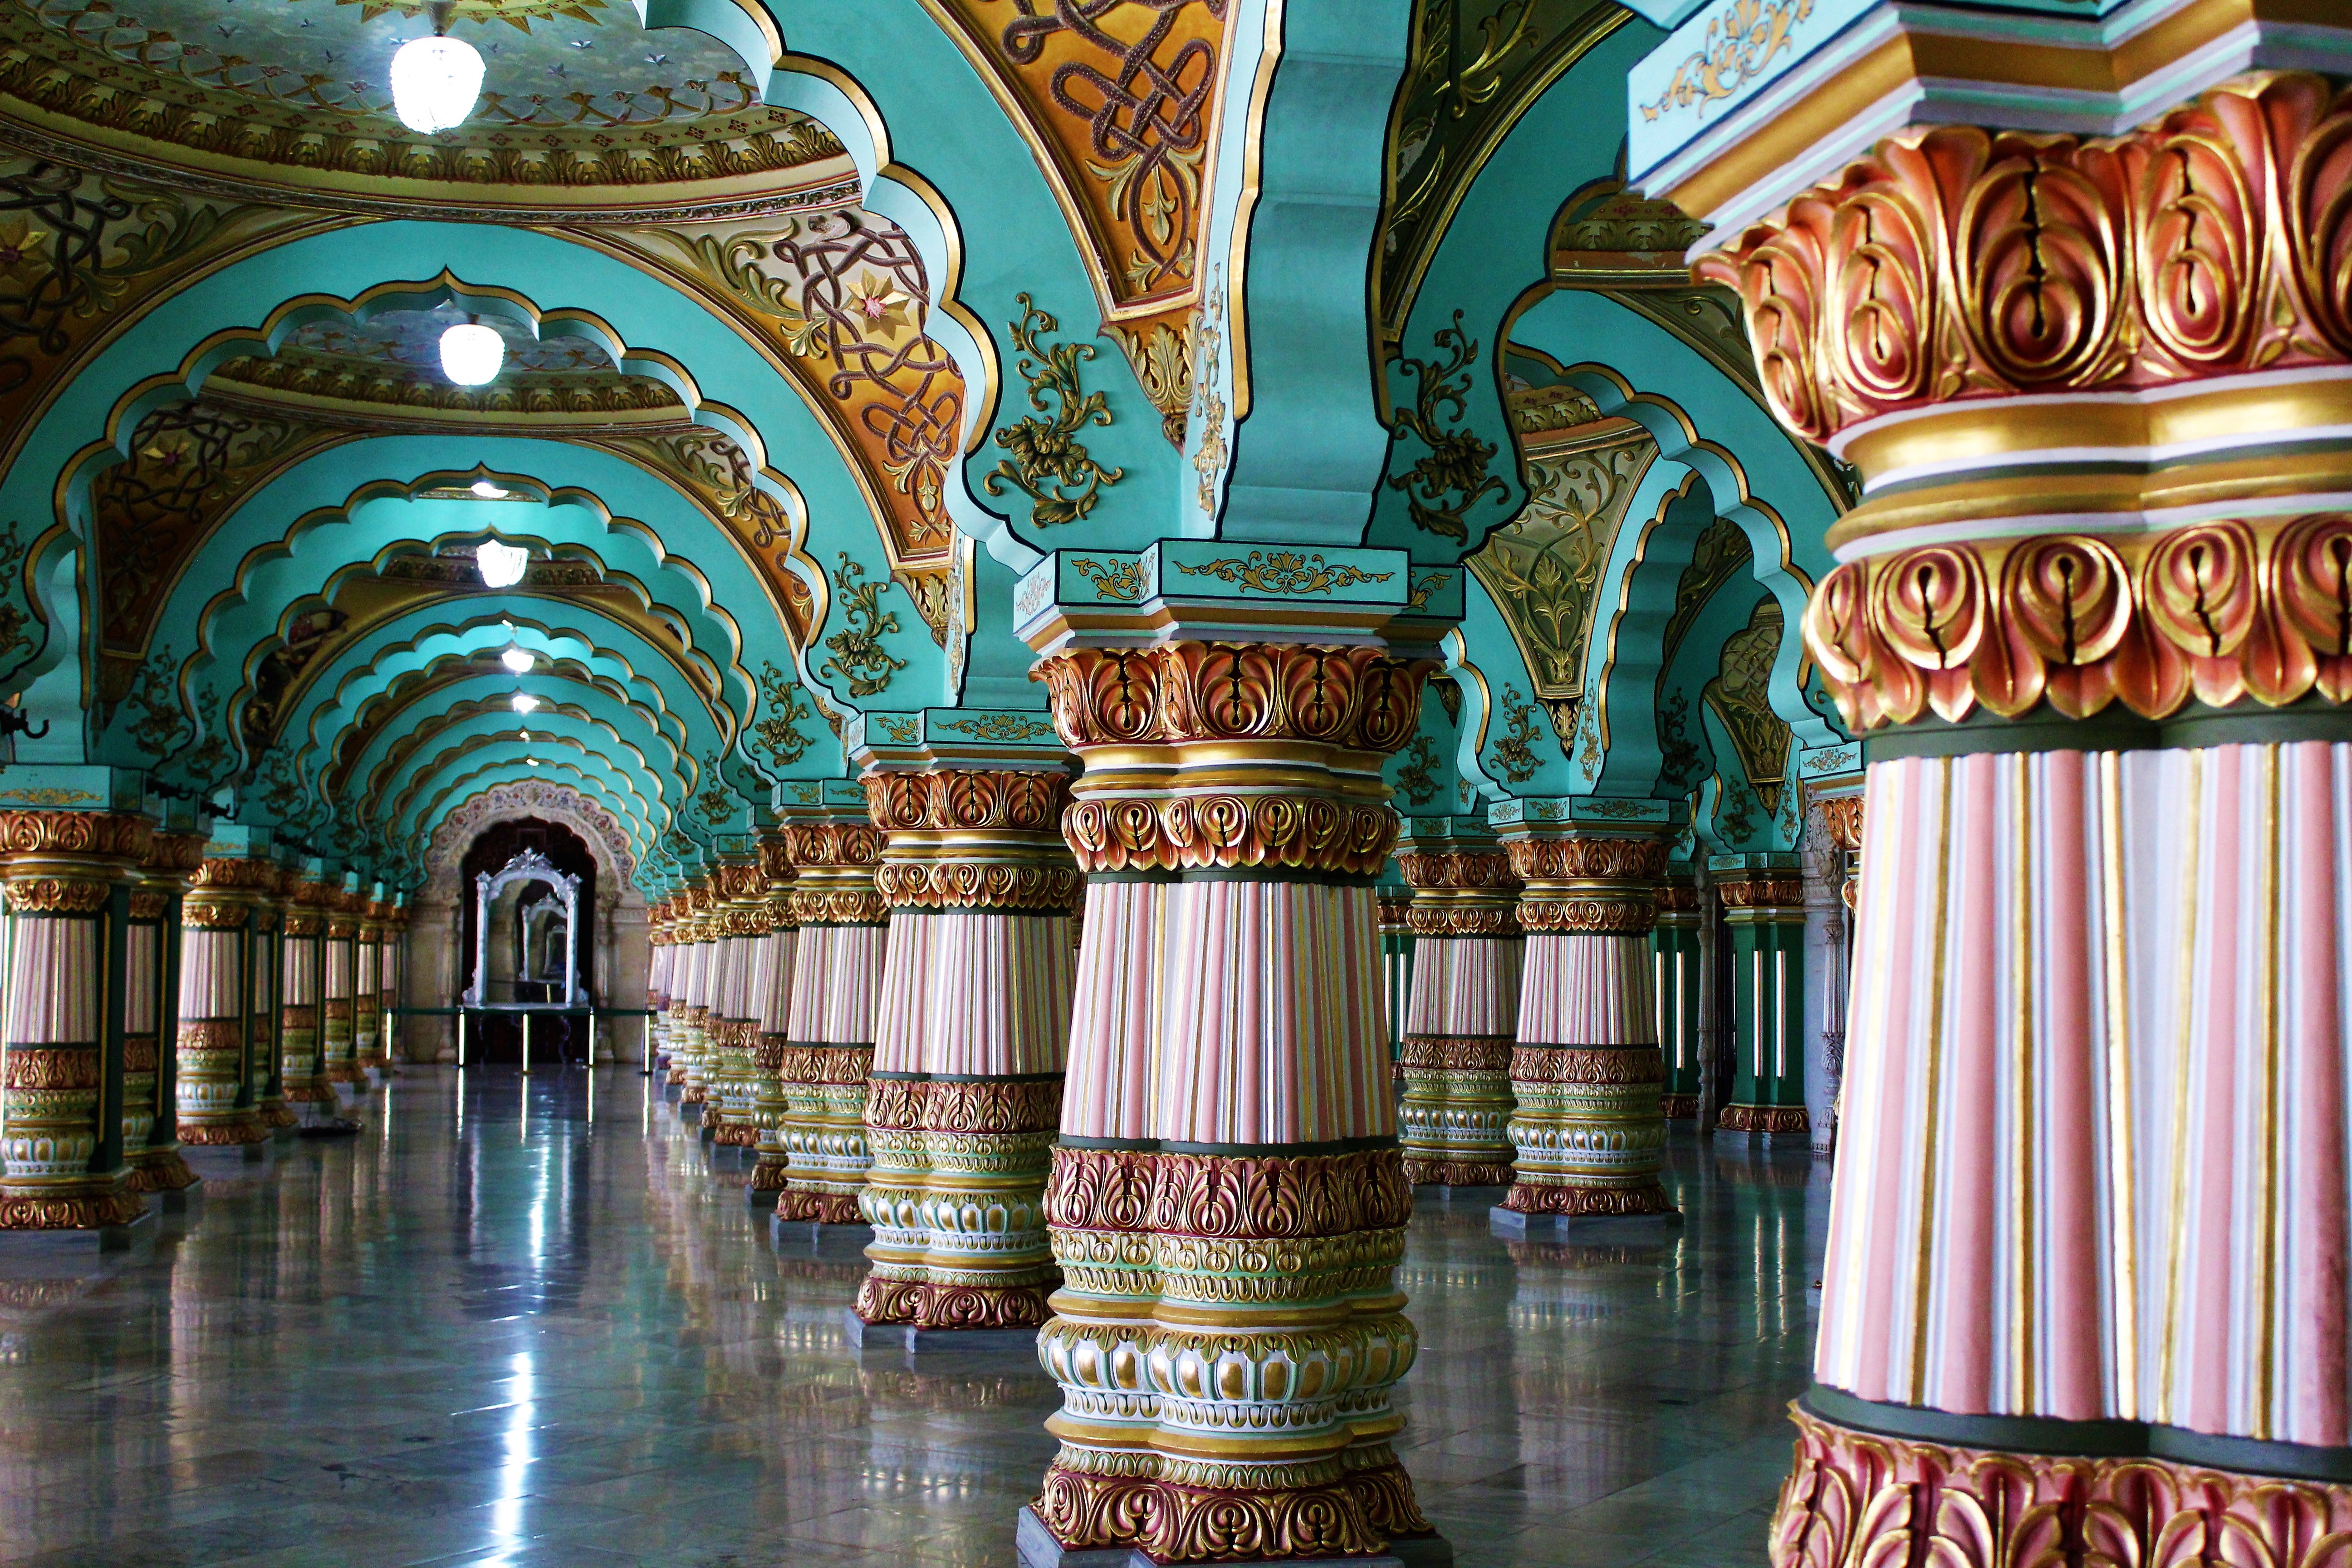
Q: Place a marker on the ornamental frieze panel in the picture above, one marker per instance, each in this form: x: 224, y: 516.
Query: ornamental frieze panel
x: 1953, y: 263
x: 967, y: 798
x: 1742, y: 698
x: 1355, y: 697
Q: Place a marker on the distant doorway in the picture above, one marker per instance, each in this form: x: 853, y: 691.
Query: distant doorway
x: 497, y: 1039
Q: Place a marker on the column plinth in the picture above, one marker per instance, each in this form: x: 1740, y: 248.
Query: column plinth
x: 828, y: 1047
x: 968, y: 1046
x: 1462, y: 1010
x: 2084, y: 1299
x: 1227, y: 1200
x: 61, y: 1156
x: 1590, y: 1133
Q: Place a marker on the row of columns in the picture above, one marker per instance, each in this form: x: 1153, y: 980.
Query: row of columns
x: 161, y: 991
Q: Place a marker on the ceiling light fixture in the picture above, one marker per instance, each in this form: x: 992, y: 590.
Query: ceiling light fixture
x: 488, y: 491
x: 501, y: 565
x: 471, y: 354
x: 524, y: 702
x: 435, y: 81
x: 517, y: 660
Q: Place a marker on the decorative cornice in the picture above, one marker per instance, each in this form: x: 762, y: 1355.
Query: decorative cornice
x: 1354, y: 698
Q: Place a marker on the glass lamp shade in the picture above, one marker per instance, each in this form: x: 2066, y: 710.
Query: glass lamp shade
x: 517, y: 660
x: 501, y: 565
x: 471, y: 354
x: 524, y: 702
x: 434, y: 82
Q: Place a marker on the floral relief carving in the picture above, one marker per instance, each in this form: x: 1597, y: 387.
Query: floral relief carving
x: 858, y: 656
x: 1045, y: 460
x: 1456, y: 471
x: 1284, y: 571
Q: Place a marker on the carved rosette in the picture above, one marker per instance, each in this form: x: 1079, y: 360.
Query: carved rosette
x: 1231, y: 754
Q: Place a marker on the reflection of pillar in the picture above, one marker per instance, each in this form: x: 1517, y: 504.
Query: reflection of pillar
x: 302, y: 971
x: 368, y: 1052
x: 335, y: 1017
x: 1462, y: 1014
x: 2086, y: 1295
x: 969, y: 1043
x: 734, y: 1018
x: 1764, y: 906
x: 1674, y: 950
x: 1227, y: 1199
x: 772, y: 996
x: 60, y: 1101
x: 1588, y: 1131
x: 217, y: 1053
x: 829, y: 1025
x: 150, y: 1015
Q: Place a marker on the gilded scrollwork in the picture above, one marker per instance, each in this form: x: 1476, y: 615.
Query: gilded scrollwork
x: 778, y: 732
x: 1287, y: 572
x: 1514, y: 748
x: 1456, y: 470
x: 1414, y: 773
x: 858, y: 656
x: 1044, y: 459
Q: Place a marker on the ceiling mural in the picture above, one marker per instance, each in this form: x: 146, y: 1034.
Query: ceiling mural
x: 576, y: 96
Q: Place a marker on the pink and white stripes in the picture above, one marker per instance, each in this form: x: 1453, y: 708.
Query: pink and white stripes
x: 2096, y: 1138
x: 1588, y: 990
x: 775, y: 980
x: 1465, y: 986
x: 978, y: 995
x: 1257, y: 1018
x: 52, y: 997
x: 301, y: 969
x: 836, y: 975
x: 142, y: 976
x: 208, y: 976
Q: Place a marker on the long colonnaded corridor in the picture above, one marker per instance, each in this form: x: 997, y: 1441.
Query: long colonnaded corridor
x: 531, y: 1323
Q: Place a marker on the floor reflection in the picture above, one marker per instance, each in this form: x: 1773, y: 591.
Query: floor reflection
x: 494, y: 1330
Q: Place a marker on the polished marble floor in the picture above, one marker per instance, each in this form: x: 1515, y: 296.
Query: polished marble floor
x: 533, y: 1323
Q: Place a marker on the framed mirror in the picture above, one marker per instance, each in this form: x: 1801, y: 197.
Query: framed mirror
x: 526, y: 942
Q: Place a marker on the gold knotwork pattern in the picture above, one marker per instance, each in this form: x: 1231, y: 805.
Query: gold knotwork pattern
x: 1355, y: 698
x: 2219, y: 612
x: 1956, y: 263
x: 56, y: 896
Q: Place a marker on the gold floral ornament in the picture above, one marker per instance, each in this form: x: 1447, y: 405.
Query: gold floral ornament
x: 1284, y: 571
x: 779, y: 734
x: 1453, y: 474
x: 1046, y: 461
x: 858, y: 656
x: 1415, y: 774
x: 900, y: 731
x: 163, y: 723
x: 1001, y: 727
x: 14, y: 618
x: 1739, y: 42
x: 1515, y: 751
x: 1119, y: 580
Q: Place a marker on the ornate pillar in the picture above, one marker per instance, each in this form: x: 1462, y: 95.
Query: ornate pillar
x: 1227, y: 1200
x: 661, y: 965
x: 302, y: 967
x: 264, y: 1024
x: 1590, y: 1132
x: 336, y: 1015
x: 2085, y: 1297
x: 772, y: 994
x: 1462, y: 1013
x: 1682, y: 927
x: 691, y: 1042
x: 368, y: 1052
x: 220, y: 1075
x: 968, y: 1046
x: 150, y: 1015
x: 829, y: 1022
x: 61, y: 1094
x: 1764, y: 906
x: 742, y: 923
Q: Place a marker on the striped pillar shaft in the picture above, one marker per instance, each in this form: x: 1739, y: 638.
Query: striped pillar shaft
x: 150, y: 1015
x: 771, y: 999
x: 1227, y: 1199
x: 1589, y: 1134
x: 693, y: 964
x: 660, y: 975
x: 302, y: 975
x: 1674, y: 959
x: 61, y: 1156
x: 217, y: 1104
x: 1764, y: 909
x: 829, y: 1023
x: 1462, y: 1015
x: 734, y: 1025
x: 2085, y: 1296
x: 968, y: 1046
x: 698, y: 1057
x: 367, y: 998
x: 336, y: 1039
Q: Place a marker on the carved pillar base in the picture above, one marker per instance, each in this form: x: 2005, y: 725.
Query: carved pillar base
x: 768, y: 1107
x: 1860, y: 1497
x: 212, y: 1057
x: 1455, y: 1123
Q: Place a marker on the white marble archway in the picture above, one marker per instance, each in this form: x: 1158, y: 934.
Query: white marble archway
x: 623, y: 949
